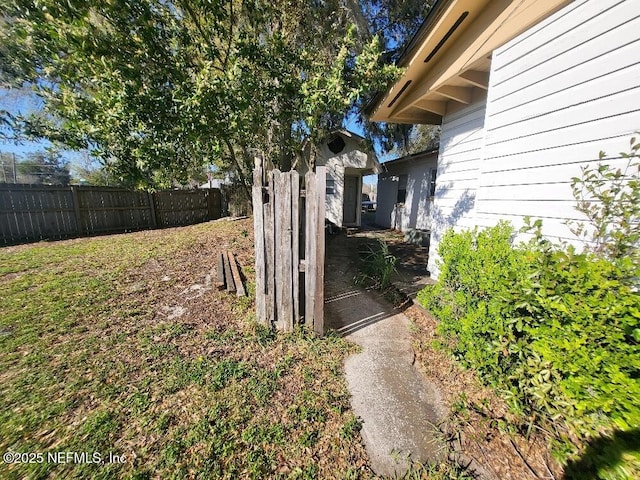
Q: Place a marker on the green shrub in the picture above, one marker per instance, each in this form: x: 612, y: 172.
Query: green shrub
x: 474, y: 297
x: 556, y: 331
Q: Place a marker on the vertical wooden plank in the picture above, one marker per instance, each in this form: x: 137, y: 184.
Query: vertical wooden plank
x: 318, y: 316
x: 14, y: 217
x: 228, y: 275
x: 35, y: 205
x: 310, y: 248
x: 88, y: 211
x: 273, y: 234
x: 76, y: 209
x: 259, y: 239
x: 287, y: 253
x: 284, y: 304
x: 240, y: 291
x: 269, y: 232
x: 295, y: 244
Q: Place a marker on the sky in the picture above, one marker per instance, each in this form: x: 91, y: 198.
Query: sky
x: 23, y: 101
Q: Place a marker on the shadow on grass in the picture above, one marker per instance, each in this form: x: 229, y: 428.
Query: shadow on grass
x: 616, y: 456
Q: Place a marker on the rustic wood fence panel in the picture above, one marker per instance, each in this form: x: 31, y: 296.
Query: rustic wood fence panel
x: 283, y: 299
x: 103, y: 210
x: 28, y: 213
x: 185, y: 207
x: 42, y: 212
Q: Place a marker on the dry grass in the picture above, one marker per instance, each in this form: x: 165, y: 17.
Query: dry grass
x: 119, y: 345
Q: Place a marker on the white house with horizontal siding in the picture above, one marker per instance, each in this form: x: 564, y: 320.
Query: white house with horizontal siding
x: 527, y: 92
x: 406, y: 187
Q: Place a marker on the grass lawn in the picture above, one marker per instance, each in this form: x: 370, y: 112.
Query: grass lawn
x: 119, y: 345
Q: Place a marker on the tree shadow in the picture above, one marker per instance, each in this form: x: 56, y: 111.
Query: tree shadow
x: 443, y: 218
x: 606, y: 455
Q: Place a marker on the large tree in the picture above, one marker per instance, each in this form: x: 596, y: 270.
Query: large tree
x: 158, y: 89
x: 45, y: 168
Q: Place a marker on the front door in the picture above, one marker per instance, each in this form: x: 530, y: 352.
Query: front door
x: 351, y: 204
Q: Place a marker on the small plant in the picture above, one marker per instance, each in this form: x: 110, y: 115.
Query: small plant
x: 610, y: 200
x: 351, y: 428
x: 378, y: 266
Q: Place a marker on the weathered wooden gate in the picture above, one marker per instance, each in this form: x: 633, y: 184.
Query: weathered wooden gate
x: 289, y: 243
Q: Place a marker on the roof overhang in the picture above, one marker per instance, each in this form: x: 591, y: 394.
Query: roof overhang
x: 447, y: 63
x: 414, y: 157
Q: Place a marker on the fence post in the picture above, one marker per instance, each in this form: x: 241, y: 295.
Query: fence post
x: 259, y: 236
x: 321, y: 186
x: 76, y: 209
x: 152, y: 210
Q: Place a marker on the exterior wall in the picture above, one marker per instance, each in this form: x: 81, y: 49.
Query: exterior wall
x: 559, y: 94
x: 415, y: 214
x: 338, y: 166
x: 334, y: 201
x: 459, y: 161
x: 387, y: 195
x: 352, y: 161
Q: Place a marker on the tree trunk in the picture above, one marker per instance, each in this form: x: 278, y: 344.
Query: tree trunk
x: 243, y: 179
x: 285, y: 153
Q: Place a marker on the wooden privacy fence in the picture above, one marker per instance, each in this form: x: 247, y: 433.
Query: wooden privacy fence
x: 289, y: 243
x: 39, y: 212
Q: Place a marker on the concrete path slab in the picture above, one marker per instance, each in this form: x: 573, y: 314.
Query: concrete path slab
x: 399, y: 408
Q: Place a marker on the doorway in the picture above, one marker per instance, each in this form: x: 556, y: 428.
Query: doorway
x: 351, y: 205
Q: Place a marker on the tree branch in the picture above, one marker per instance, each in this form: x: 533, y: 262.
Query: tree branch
x: 243, y: 179
x: 203, y: 34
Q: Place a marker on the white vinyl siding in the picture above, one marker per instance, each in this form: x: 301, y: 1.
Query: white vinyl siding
x: 459, y: 160
x: 559, y: 94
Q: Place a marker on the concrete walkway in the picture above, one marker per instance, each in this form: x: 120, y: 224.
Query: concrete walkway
x: 398, y: 406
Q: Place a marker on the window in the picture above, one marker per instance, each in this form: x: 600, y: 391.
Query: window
x: 402, y: 189
x: 432, y: 182
x: 331, y: 185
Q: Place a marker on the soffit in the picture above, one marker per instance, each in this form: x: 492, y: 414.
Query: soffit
x: 450, y: 68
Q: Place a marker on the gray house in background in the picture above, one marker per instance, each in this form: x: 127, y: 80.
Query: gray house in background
x: 405, y: 192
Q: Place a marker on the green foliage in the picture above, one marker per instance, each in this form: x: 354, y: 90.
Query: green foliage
x: 351, y: 428
x: 159, y: 89
x: 476, y: 309
x: 610, y: 199
x: 555, y: 330
x: 377, y: 266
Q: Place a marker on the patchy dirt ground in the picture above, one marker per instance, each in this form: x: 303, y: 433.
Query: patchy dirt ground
x: 119, y: 345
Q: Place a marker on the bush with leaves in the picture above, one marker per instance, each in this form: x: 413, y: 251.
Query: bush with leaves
x: 556, y: 330
x: 474, y: 298
x: 610, y: 200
